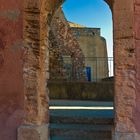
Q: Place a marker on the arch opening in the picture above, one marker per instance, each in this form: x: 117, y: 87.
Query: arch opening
x: 79, y: 52
x: 72, y: 63
x: 123, y: 39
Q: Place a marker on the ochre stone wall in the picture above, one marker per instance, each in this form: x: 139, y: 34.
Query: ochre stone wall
x: 11, y: 67
x: 94, y: 48
x: 64, y: 44
x: 76, y: 90
x: 136, y: 17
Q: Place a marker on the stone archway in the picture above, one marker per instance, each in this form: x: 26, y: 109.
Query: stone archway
x: 126, y: 48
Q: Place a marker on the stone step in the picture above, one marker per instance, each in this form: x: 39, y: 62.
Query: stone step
x: 81, y: 120
x: 83, y: 113
x: 81, y: 124
x: 82, y: 116
x: 75, y: 138
x: 79, y: 103
x: 81, y: 130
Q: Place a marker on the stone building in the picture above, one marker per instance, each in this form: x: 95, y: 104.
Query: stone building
x: 66, y: 56
x: 76, y: 50
x: 94, y: 49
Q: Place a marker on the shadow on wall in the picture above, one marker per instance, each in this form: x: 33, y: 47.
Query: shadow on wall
x: 102, y: 91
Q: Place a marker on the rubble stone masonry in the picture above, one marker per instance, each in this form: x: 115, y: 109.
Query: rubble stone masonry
x: 64, y: 47
x: 24, y: 68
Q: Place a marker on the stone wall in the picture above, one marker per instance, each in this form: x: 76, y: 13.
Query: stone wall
x: 11, y: 68
x: 64, y: 49
x: 127, y: 62
x: 94, y: 49
x: 99, y: 91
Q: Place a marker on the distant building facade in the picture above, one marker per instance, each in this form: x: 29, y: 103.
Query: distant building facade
x: 76, y: 52
x: 94, y: 49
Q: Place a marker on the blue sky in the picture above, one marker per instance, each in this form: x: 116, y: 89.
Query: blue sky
x: 91, y: 13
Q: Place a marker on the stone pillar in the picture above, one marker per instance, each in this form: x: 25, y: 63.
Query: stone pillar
x: 127, y: 118
x: 137, y: 51
x: 36, y: 60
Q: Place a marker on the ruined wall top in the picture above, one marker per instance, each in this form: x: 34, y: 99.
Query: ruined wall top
x: 85, y: 31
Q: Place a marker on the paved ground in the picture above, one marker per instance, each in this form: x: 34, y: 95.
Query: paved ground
x: 79, y: 103
x: 91, y: 111
x: 81, y: 120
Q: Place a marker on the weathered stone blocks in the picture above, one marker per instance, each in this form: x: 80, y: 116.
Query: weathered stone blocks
x: 63, y: 45
x: 126, y: 136
x: 33, y: 132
